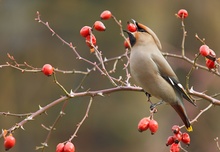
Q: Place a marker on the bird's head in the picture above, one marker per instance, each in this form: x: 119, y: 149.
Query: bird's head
x: 143, y: 33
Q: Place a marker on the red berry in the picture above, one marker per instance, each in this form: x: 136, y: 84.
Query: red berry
x: 60, y: 147
x: 69, y: 147
x: 85, y: 31
x: 99, y: 26
x: 204, y: 50
x: 210, y: 64
x: 182, y: 13
x: 131, y: 27
x: 174, y: 147
x: 177, y: 137
x: 212, y: 53
x: 91, y: 40
x: 127, y: 43
x: 47, y: 69
x: 175, y: 129
x: 153, y: 126
x: 9, y: 142
x: 170, y: 141
x: 105, y: 15
x: 143, y: 124
x: 186, y: 138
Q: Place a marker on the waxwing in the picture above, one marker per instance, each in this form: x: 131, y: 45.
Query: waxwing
x: 152, y: 72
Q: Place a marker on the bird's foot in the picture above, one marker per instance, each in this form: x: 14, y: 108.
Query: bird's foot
x: 153, y: 105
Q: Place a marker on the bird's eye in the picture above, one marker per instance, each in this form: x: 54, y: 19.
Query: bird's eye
x: 140, y: 27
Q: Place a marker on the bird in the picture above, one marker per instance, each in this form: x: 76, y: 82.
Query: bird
x: 152, y: 72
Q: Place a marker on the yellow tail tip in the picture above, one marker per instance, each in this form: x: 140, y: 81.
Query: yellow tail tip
x: 189, y: 129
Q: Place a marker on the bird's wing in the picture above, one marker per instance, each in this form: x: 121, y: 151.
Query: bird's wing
x: 168, y: 74
x: 177, y: 86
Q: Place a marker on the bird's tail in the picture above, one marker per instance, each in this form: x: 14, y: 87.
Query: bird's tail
x: 182, y: 113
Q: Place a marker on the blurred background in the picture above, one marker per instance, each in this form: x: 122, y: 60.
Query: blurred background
x: 112, y: 122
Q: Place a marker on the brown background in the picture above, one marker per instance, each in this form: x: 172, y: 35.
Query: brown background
x: 112, y: 122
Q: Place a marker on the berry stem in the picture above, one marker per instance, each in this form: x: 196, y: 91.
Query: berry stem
x: 184, y: 37
x: 55, y: 80
x: 191, y: 70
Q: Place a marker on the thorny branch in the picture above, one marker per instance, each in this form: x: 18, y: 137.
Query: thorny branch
x: 15, y: 114
x: 72, y: 95
x: 119, y: 84
x: 199, y: 114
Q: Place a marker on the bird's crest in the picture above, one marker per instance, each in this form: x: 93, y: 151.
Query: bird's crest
x: 143, y: 28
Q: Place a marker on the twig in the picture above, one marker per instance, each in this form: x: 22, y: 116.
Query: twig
x: 33, y: 115
x: 99, y: 57
x: 190, y: 72
x: 56, y: 81
x: 120, y: 26
x: 114, y: 66
x: 198, y: 38
x: 199, y: 66
x: 70, y: 71
x: 50, y: 129
x: 128, y: 75
x: 202, y: 95
x: 184, y: 37
x: 217, y: 143
x: 15, y: 114
x: 66, y: 43
x: 182, y: 148
x: 72, y: 95
x: 199, y: 114
x: 82, y: 121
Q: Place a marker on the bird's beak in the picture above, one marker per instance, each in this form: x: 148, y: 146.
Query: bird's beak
x: 131, y: 36
x: 137, y: 25
x: 134, y: 22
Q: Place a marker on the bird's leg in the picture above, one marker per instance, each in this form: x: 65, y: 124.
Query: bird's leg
x: 153, y: 106
x: 148, y: 97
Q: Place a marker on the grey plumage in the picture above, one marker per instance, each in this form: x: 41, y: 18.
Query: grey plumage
x: 153, y: 73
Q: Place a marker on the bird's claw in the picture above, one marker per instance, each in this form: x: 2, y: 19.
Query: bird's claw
x: 153, y: 105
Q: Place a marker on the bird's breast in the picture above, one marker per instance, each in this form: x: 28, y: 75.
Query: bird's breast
x: 146, y: 74
x: 143, y: 69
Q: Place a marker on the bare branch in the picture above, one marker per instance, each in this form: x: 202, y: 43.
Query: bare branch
x: 82, y: 121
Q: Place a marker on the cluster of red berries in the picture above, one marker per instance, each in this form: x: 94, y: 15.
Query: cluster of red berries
x: 204, y: 49
x: 9, y: 140
x: 176, y: 138
x: 65, y: 147
x: 209, y: 55
x: 146, y: 123
x: 86, y: 31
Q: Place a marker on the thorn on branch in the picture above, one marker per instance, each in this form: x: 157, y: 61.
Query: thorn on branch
x: 48, y: 129
x: 100, y: 94
x: 22, y: 127
x: 29, y: 118
x: 217, y: 143
x: 44, y: 144
x: 62, y: 113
